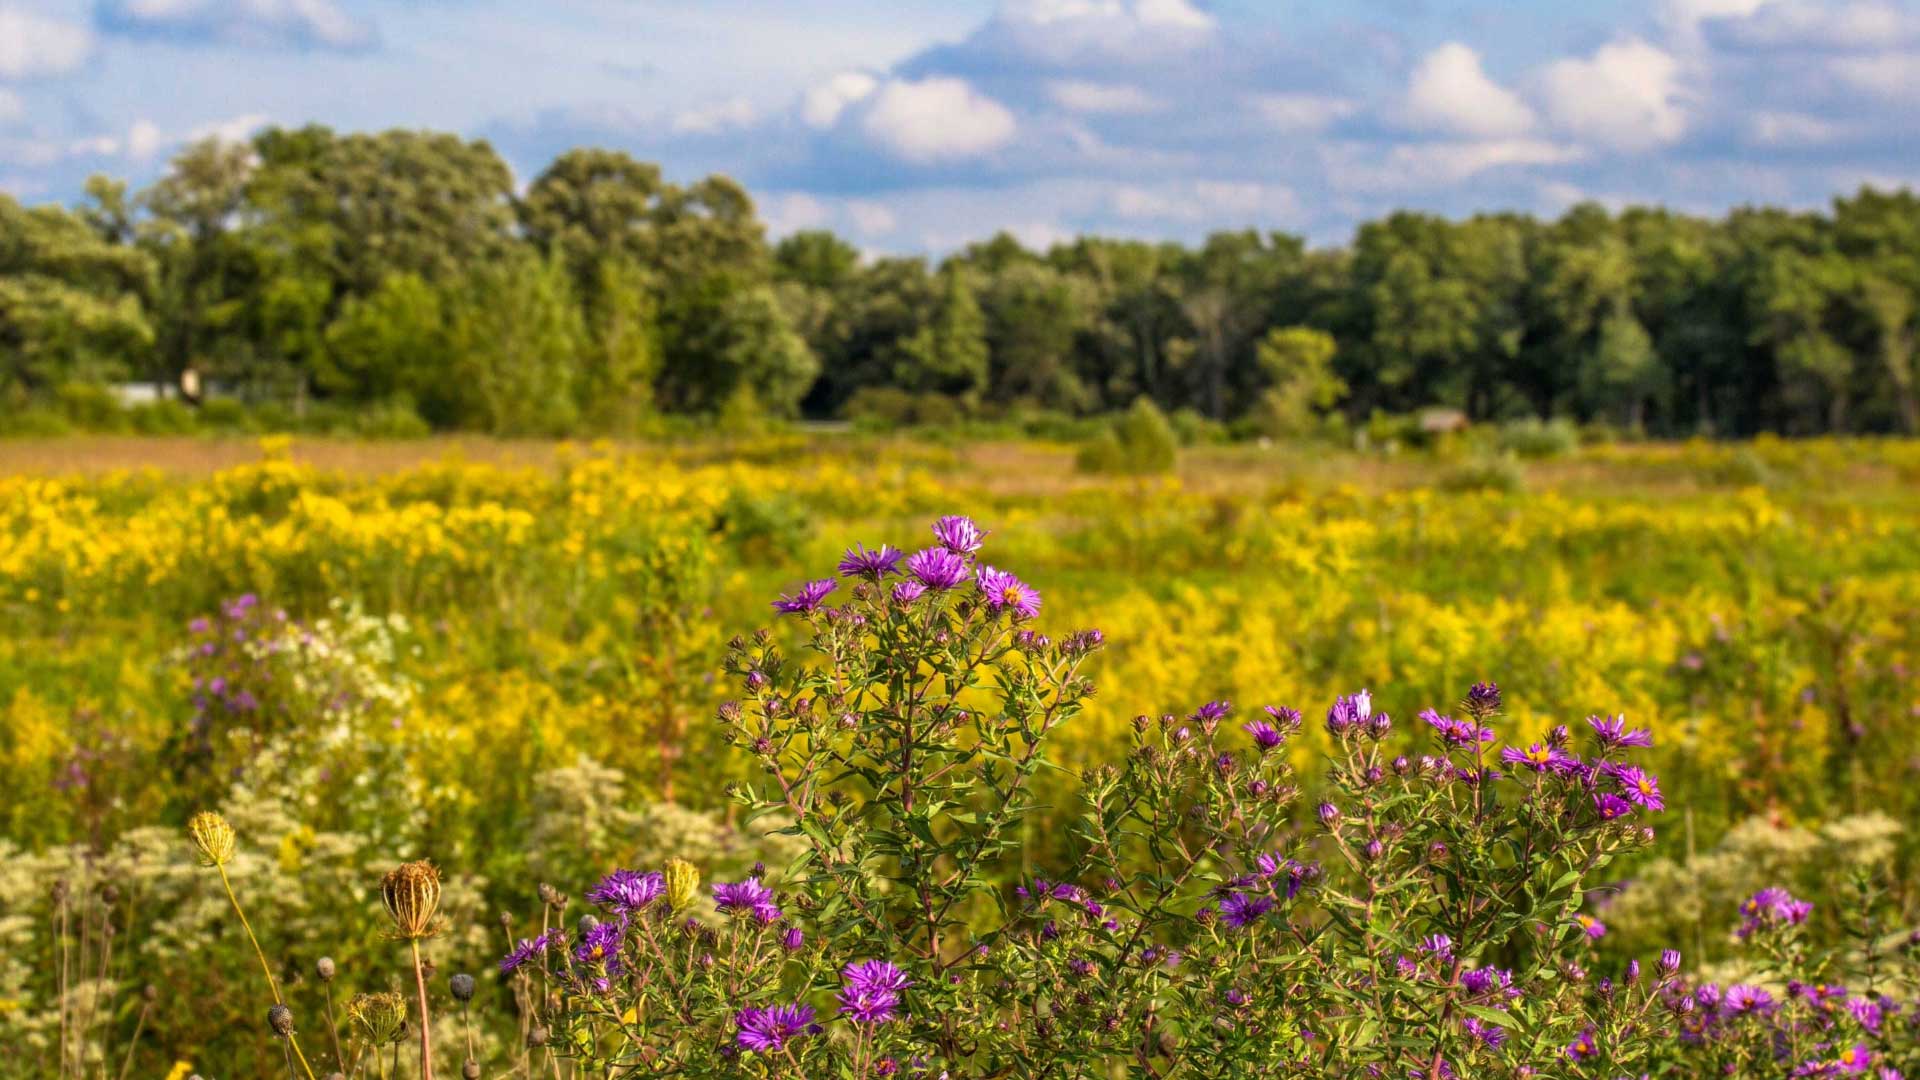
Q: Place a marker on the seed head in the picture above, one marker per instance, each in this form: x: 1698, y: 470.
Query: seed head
x: 683, y: 884
x: 411, y: 892
x: 462, y: 987
x: 381, y: 1017
x: 212, y: 837
x: 537, y: 1037
x: 325, y: 967
x: 280, y: 1019
x: 470, y: 1069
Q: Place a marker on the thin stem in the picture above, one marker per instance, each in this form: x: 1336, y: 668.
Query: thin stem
x: 295, y: 1044
x: 138, y: 1026
x: 272, y: 986
x: 426, y: 1035
x: 339, y: 1060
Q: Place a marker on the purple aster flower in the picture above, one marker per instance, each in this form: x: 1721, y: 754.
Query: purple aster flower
x: 1265, y: 736
x: 1483, y: 699
x: 875, y: 564
x: 1491, y: 1035
x: 1536, y: 757
x: 1212, y: 712
x: 1669, y: 961
x: 868, y: 1005
x: 1770, y: 908
x: 807, y: 599
x: 741, y: 897
x: 1613, y: 732
x: 600, y: 944
x: 1488, y: 982
x: 1744, y: 998
x: 1867, y: 1013
x: 1003, y: 590
x: 1240, y: 910
x: 1582, y: 1047
x: 1349, y: 712
x: 793, y: 939
x: 527, y: 949
x: 959, y: 534
x: 937, y: 568
x: 875, y: 975
x: 1595, y: 929
x: 1440, y: 946
x: 767, y: 1030
x: 1456, y: 732
x: 1640, y: 787
x: 1610, y: 806
x: 627, y: 891
x: 906, y: 592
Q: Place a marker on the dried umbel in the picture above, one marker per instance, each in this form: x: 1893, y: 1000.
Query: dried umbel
x: 411, y: 892
x: 381, y: 1018
x: 212, y: 838
x: 683, y: 884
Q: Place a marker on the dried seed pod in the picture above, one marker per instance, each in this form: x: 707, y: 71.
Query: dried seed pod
x: 462, y: 987
x: 280, y: 1019
x: 470, y: 1069
x: 325, y: 968
x: 411, y: 892
x: 212, y: 837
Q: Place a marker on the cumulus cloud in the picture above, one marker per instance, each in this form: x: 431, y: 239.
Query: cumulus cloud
x: 822, y: 105
x: 1627, y: 96
x: 1301, y: 114
x: 1450, y: 92
x: 34, y: 46
x: 793, y: 212
x: 235, y: 129
x: 937, y: 119
x: 1058, y: 31
x: 1085, y: 96
x: 715, y: 118
x: 1807, y: 24
x: 871, y: 218
x: 144, y: 140
x: 322, y: 24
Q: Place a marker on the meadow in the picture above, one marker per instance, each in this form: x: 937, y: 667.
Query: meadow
x: 506, y: 656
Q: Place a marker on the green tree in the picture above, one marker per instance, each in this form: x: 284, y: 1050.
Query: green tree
x: 69, y: 300
x: 516, y: 335
x: 948, y: 355
x: 1299, y: 361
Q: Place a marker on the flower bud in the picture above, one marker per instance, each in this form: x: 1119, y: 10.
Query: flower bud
x: 1329, y: 814
x: 683, y: 884
x: 470, y: 1069
x: 462, y: 987
x: 1379, y: 724
x: 280, y: 1019
x: 1669, y: 961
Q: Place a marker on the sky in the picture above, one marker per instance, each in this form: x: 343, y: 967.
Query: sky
x: 921, y: 125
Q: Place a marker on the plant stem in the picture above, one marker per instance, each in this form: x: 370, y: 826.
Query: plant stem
x: 339, y: 1061
x: 426, y: 1035
x: 265, y: 969
x: 138, y: 1025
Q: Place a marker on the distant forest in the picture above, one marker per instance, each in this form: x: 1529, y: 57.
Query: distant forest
x: 403, y: 272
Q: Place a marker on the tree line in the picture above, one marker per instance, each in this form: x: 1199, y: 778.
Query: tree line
x: 404, y: 270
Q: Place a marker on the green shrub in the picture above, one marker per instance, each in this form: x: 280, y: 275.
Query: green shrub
x: 1533, y: 440
x: 1197, y: 430
x: 166, y: 417
x: 228, y: 416
x: 391, y: 420
x: 91, y: 407
x: 1141, y: 441
x: 1501, y: 473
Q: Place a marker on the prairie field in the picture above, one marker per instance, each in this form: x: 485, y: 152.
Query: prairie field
x: 506, y: 656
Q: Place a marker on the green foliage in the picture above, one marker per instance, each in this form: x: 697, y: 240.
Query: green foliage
x: 1299, y: 361
x: 1533, y: 440
x: 1140, y: 442
x: 1499, y: 474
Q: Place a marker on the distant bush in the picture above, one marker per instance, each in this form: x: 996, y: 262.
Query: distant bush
x: 1142, y: 441
x: 1740, y: 468
x: 1534, y: 440
x: 228, y: 416
x: 1500, y: 473
x: 91, y: 407
x: 167, y: 417
x: 1197, y: 430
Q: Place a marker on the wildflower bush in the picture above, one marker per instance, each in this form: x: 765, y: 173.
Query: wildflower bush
x: 509, y: 669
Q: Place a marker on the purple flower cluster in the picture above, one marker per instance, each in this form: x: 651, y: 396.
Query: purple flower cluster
x: 770, y: 1029
x: 742, y: 899
x: 870, y: 991
x: 624, y: 892
x: 1771, y: 909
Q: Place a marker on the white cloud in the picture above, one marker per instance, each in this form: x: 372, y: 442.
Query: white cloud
x: 1099, y: 97
x: 1179, y: 14
x: 1450, y: 92
x: 937, y: 119
x: 1301, y: 114
x: 1431, y: 165
x: 822, y: 105
x: 1627, y: 95
x: 715, y: 118
x: 1792, y: 129
x: 794, y: 212
x: 236, y: 129
x: 1894, y: 76
x: 1217, y: 202
x: 300, y: 22
x: 1804, y: 24
x: 871, y: 218
x: 144, y: 140
x: 33, y: 46
x: 1040, y: 235
x: 94, y: 146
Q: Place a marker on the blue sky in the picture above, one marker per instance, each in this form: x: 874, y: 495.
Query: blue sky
x: 915, y: 125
